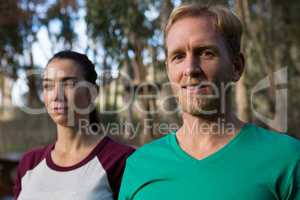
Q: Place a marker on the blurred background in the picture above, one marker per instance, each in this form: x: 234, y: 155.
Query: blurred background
x: 124, y: 39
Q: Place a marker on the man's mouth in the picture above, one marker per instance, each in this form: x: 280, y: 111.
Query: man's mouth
x: 196, y: 88
x: 60, y: 109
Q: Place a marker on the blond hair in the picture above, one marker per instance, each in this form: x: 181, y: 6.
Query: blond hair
x: 225, y: 22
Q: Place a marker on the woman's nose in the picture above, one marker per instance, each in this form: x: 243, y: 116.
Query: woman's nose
x: 59, y: 92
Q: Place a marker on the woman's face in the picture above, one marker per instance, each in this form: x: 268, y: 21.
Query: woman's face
x: 64, y: 96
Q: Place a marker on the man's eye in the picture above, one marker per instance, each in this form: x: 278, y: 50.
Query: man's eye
x: 178, y: 56
x: 207, y: 54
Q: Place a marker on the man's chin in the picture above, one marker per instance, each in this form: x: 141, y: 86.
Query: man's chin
x: 197, y: 112
x: 206, y: 111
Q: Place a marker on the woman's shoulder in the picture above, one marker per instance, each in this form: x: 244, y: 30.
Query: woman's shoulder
x: 111, y: 148
x: 29, y: 161
x: 33, y: 157
x: 120, y: 147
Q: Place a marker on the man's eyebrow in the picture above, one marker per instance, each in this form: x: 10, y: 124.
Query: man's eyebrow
x: 201, y: 49
x: 204, y: 47
x: 175, y: 51
x: 198, y: 48
x: 63, y: 79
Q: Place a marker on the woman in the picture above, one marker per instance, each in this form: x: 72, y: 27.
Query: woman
x: 81, y: 164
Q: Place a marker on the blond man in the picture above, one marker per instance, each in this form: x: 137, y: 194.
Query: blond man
x: 214, y: 155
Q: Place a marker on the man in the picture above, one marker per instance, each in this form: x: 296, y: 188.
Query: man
x: 214, y: 155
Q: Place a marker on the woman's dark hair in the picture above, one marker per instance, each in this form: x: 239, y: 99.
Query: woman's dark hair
x: 88, y: 69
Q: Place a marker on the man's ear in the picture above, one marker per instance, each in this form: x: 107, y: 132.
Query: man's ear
x: 166, y: 64
x: 166, y: 59
x: 238, y: 66
x: 167, y: 70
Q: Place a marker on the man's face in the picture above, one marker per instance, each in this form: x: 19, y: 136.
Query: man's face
x: 198, y: 62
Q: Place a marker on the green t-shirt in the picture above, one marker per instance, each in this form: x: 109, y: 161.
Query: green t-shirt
x: 257, y: 164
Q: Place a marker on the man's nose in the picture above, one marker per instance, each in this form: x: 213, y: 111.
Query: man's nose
x: 193, y: 66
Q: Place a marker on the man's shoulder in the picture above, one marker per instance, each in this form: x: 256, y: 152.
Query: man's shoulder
x: 155, y: 148
x: 276, y: 138
x: 279, y: 144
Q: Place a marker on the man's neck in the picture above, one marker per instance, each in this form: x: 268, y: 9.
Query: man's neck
x: 218, y: 125
x: 200, y: 136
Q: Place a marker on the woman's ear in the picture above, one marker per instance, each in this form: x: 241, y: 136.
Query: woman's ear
x: 95, y: 93
x: 92, y: 92
x: 238, y: 66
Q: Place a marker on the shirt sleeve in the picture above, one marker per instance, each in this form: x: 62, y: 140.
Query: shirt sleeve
x: 17, y: 184
x: 125, y: 184
x: 21, y: 169
x: 116, y: 177
x: 297, y: 182
x: 293, y: 185
x: 28, y: 161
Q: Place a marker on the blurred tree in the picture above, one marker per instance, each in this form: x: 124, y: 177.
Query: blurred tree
x: 29, y: 25
x: 10, y: 46
x: 129, y: 32
x: 241, y: 100
x: 271, y: 39
x: 20, y: 24
x: 64, y: 13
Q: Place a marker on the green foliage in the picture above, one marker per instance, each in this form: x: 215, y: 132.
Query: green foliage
x: 121, y: 26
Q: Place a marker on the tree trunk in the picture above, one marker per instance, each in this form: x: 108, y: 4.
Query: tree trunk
x: 33, y: 100
x: 241, y: 98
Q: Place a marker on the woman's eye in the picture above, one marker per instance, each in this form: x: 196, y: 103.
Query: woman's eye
x: 48, y: 86
x: 69, y: 83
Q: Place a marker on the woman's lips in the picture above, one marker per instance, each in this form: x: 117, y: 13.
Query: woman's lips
x: 60, y: 109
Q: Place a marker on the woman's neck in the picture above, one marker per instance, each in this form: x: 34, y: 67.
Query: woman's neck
x: 69, y: 139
